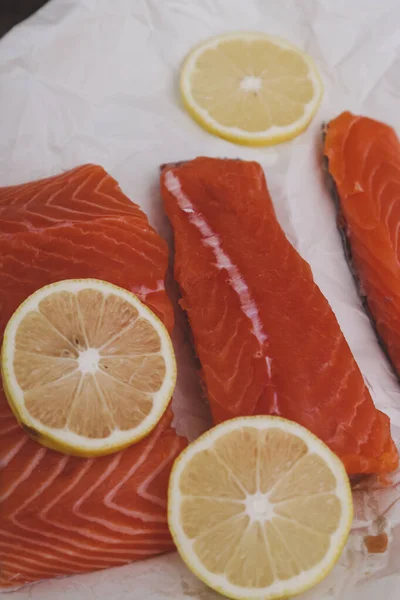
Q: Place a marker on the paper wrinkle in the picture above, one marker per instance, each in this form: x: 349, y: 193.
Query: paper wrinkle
x: 97, y: 81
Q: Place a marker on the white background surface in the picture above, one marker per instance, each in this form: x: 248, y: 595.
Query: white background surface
x: 96, y: 81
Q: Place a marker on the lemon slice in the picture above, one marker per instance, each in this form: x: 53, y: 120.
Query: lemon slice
x: 251, y: 88
x: 87, y: 368
x: 259, y: 508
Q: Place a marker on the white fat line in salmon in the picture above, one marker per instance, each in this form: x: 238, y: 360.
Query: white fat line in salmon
x: 212, y: 240
x: 110, y: 498
x: 142, y: 291
x: 79, y: 554
x: 13, y: 452
x: 275, y: 407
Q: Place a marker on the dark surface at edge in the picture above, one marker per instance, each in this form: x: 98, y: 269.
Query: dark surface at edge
x: 13, y: 12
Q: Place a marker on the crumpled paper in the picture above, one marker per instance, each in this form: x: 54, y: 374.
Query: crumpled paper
x: 96, y: 81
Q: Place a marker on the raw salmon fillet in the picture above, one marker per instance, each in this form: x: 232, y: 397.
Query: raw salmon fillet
x: 266, y: 337
x: 364, y: 164
x: 58, y: 514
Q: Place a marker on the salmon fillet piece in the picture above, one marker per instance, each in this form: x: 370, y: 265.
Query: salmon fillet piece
x: 61, y: 515
x: 363, y: 159
x: 267, y: 339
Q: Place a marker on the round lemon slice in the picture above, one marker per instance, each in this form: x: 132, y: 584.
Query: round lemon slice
x: 87, y: 368
x: 259, y: 508
x: 251, y: 88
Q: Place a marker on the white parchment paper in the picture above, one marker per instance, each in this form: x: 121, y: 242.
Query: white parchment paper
x: 96, y: 81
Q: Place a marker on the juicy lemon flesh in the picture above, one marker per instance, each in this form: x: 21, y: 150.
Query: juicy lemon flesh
x: 244, y: 89
x: 88, y: 362
x: 258, y: 510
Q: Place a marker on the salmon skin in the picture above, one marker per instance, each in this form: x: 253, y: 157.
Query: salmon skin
x: 266, y: 337
x: 363, y: 161
x: 61, y: 515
